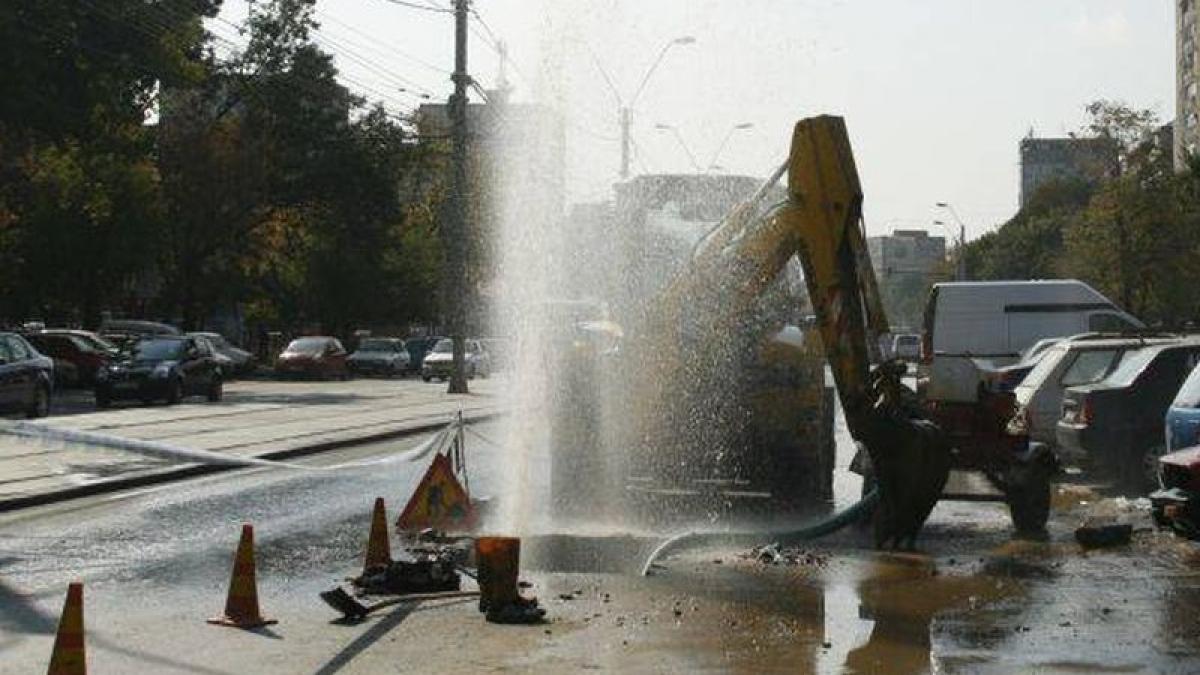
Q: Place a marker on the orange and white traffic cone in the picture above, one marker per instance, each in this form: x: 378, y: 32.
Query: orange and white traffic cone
x: 68, y: 657
x: 379, y: 549
x: 241, y: 607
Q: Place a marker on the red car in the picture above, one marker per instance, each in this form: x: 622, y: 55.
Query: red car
x: 84, y: 353
x: 313, y: 356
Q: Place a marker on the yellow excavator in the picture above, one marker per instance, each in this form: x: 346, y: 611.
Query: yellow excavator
x: 712, y: 373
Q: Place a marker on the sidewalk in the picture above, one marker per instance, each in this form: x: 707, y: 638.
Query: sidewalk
x: 259, y: 419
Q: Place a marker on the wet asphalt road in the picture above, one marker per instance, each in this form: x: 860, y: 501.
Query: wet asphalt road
x: 156, y: 564
x: 135, y: 550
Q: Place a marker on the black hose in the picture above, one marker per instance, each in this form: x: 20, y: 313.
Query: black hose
x: 832, y: 524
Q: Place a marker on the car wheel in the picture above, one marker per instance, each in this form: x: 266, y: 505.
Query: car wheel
x: 1151, y: 469
x: 40, y: 405
x: 217, y: 390
x: 426, y: 378
x: 174, y: 392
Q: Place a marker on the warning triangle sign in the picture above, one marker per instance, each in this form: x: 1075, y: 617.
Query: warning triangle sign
x: 439, y: 501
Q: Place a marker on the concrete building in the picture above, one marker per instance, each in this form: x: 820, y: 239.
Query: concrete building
x: 906, y: 263
x: 1049, y: 159
x: 1187, y: 81
x: 907, y: 252
x: 659, y: 218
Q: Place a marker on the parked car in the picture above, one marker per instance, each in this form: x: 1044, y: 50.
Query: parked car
x: 238, y: 360
x: 1006, y: 378
x: 1079, y: 360
x: 1117, y: 422
x: 418, y: 348
x: 1176, y: 505
x: 125, y: 332
x: 906, y: 347
x: 439, y: 362
x: 1183, y: 417
x: 26, y: 377
x: 313, y: 356
x: 167, y: 367
x: 76, y: 358
x: 380, y: 356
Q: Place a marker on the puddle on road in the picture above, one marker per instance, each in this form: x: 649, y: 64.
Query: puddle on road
x: 842, y: 612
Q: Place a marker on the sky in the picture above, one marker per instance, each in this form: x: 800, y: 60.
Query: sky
x: 936, y: 93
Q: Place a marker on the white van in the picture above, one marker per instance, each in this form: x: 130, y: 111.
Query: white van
x: 996, y: 320
x: 967, y: 322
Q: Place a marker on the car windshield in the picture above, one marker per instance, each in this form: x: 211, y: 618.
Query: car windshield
x: 1132, y: 363
x: 907, y: 341
x: 307, y: 346
x: 98, y: 343
x: 157, y: 350
x: 377, y: 346
x: 1034, y: 353
x: 1045, y: 366
x: 1089, y: 366
x: 1189, y: 393
x: 217, y: 340
x: 443, y: 347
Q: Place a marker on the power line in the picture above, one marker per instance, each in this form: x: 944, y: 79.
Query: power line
x: 413, y: 5
x: 387, y: 46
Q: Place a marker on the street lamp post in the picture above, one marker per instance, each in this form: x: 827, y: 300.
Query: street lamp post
x: 625, y: 111
x: 683, y: 144
x: 712, y: 163
x: 961, y: 271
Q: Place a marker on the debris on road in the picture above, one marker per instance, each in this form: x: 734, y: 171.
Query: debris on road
x: 774, y: 554
x: 353, y: 610
x: 423, y: 568
x: 1103, y: 535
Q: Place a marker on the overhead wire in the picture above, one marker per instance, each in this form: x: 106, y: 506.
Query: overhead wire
x: 413, y: 5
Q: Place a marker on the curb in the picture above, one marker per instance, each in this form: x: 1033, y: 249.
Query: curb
x: 196, y: 470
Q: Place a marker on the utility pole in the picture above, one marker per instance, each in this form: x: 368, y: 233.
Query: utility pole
x: 457, y: 233
x: 624, y: 143
x: 962, y: 252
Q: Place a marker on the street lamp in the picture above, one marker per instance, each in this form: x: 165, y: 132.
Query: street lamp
x: 679, y: 137
x: 712, y: 163
x: 625, y: 108
x: 961, y: 272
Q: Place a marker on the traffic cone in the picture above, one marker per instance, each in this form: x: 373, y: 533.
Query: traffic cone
x: 379, y: 550
x: 68, y: 657
x: 241, y: 607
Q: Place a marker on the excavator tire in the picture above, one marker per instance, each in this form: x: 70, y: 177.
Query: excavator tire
x: 1027, y: 489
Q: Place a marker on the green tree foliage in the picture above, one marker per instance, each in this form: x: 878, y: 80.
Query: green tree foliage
x: 140, y: 174
x: 1132, y: 236
x: 79, y: 194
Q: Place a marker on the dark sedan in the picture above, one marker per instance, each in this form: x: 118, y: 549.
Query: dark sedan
x: 237, y: 359
x: 1117, y: 423
x: 167, y: 368
x: 26, y: 377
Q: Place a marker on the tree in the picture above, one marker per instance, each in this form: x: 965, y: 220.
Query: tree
x: 79, y: 197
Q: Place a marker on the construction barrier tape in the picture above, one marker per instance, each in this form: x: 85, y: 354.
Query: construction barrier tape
x: 45, y: 434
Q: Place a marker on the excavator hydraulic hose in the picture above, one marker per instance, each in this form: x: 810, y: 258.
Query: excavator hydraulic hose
x: 829, y: 525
